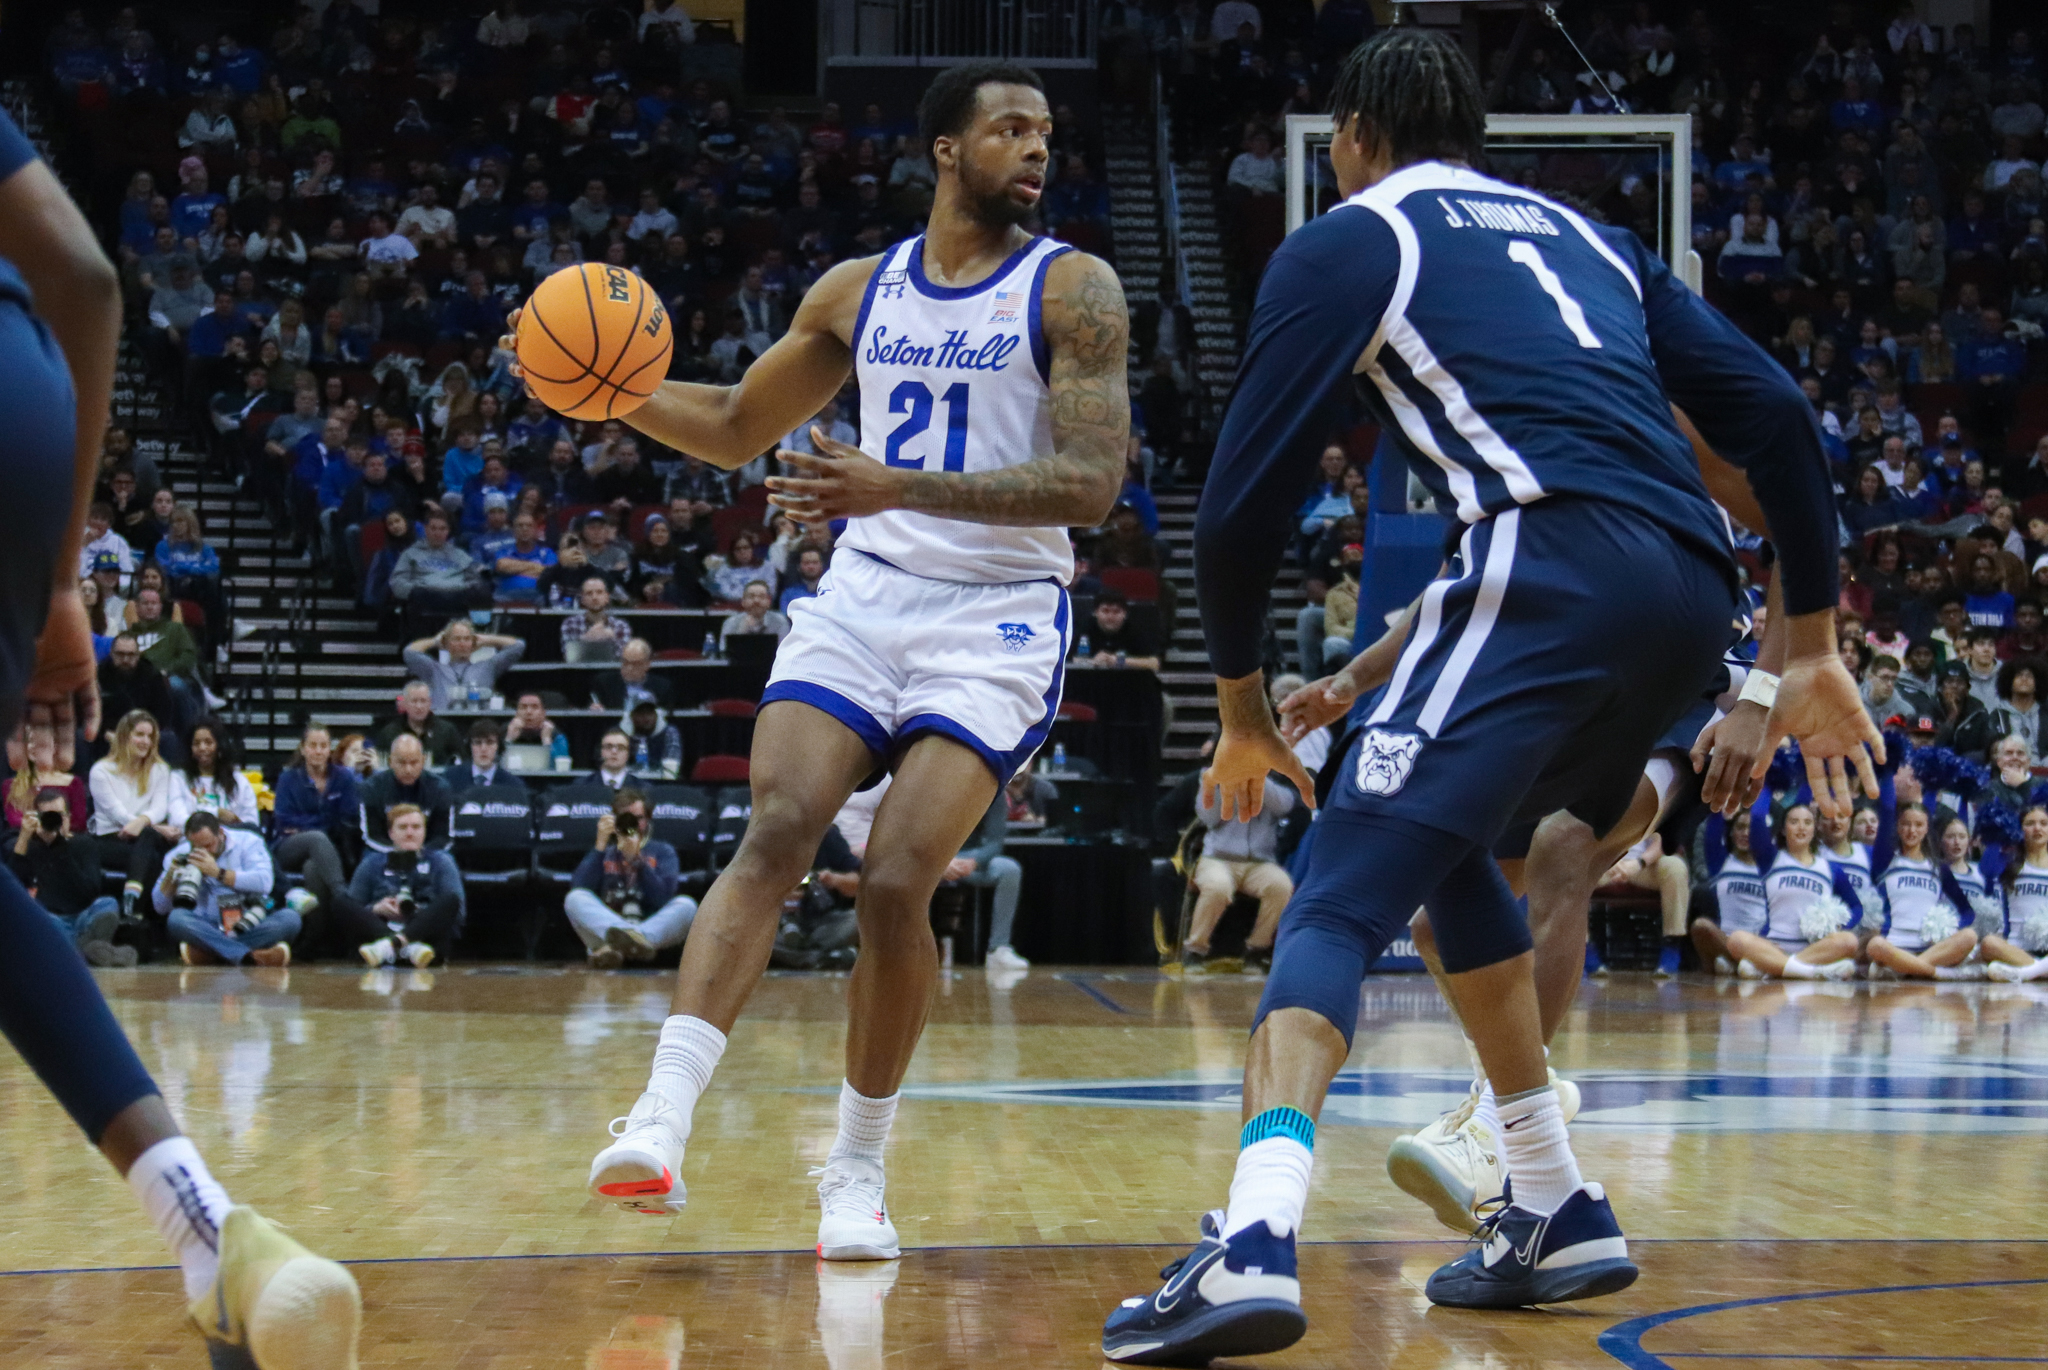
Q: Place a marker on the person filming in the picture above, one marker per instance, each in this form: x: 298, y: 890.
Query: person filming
x: 212, y: 893
x: 623, y: 901
x: 405, y: 902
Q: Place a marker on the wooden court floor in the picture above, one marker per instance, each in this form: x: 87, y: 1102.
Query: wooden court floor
x: 1838, y: 1174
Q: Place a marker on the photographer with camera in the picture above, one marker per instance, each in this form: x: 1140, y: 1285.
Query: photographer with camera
x: 623, y: 901
x: 212, y: 893
x: 64, y: 877
x: 403, y: 902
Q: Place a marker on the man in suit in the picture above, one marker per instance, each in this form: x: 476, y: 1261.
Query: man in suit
x: 633, y: 680
x: 482, y: 768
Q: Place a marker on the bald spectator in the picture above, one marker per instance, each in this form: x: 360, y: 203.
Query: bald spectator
x: 407, y: 781
x: 634, y: 680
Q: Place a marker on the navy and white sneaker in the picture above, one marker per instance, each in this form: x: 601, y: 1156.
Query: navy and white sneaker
x: 1225, y: 1298
x: 1526, y: 1258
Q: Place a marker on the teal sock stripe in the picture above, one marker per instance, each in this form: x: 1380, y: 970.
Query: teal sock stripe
x: 1279, y: 1122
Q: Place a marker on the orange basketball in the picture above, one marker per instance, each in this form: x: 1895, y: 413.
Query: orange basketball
x: 594, y: 342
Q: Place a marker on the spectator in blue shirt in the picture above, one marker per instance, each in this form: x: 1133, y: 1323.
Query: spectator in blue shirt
x: 239, y: 67
x: 339, y: 475
x: 1076, y: 197
x: 1852, y: 110
x: 192, y: 208
x: 534, y: 431
x: 137, y: 68
x: 492, y: 478
x: 476, y: 313
x: 317, y: 807
x: 1732, y: 174
x: 1991, y: 366
x: 461, y: 461
x: 209, y: 334
x: 494, y: 538
x: 1987, y: 603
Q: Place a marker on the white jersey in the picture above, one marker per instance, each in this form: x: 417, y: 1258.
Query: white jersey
x: 2026, y: 912
x: 1911, y: 889
x: 954, y: 379
x: 1856, y: 866
x: 1790, y: 889
x: 1739, y: 896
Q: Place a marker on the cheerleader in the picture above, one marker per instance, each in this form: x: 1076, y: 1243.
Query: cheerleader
x: 1811, y: 906
x: 1928, y: 924
x: 1738, y: 893
x: 2019, y: 949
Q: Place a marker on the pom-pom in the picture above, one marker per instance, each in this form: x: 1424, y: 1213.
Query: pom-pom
x: 1937, y: 768
x: 1939, y: 923
x: 1823, y: 916
x: 2033, y: 934
x: 2038, y: 795
x: 1896, y: 750
x: 1996, y: 822
x: 1988, y: 911
x: 1787, y: 770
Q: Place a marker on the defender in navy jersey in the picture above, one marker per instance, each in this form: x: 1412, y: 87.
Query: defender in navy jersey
x: 255, y: 1294
x: 1525, y: 362
x: 994, y: 415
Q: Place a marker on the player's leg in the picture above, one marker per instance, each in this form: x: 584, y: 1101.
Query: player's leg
x: 1216, y: 886
x: 805, y: 764
x: 250, y: 1285
x: 940, y: 793
x: 1237, y: 1293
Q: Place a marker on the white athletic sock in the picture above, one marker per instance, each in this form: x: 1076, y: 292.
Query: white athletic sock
x: 2035, y: 971
x: 1537, y: 1151
x: 1271, y: 1185
x: 684, y: 1059
x: 1796, y: 969
x: 187, y: 1205
x: 1487, y: 1110
x: 863, y: 1125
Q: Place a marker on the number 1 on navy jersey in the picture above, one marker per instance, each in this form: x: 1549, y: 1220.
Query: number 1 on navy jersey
x: 915, y: 400
x: 1525, y: 252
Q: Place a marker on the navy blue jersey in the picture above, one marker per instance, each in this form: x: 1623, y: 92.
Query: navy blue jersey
x: 1513, y: 351
x: 16, y: 152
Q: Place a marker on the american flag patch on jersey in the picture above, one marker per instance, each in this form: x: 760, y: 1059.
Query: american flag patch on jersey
x: 1007, y: 304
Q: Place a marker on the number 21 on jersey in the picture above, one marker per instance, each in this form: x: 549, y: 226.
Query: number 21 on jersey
x: 914, y: 399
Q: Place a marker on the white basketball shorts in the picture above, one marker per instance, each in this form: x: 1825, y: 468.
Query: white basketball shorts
x: 894, y: 656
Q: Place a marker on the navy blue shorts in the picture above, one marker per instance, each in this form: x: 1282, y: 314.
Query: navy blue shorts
x: 1566, y: 638
x: 1680, y: 736
x: 42, y: 432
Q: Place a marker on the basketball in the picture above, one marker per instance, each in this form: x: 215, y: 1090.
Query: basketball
x: 594, y: 342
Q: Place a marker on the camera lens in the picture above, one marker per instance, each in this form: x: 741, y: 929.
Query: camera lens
x: 186, y: 886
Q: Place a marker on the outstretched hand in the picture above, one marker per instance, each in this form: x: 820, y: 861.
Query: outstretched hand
x: 509, y: 340
x: 1236, y: 774
x: 1315, y: 705
x: 838, y: 482
x: 1820, y: 707
x: 63, y: 694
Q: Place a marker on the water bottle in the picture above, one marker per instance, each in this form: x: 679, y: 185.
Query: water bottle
x: 1119, y: 659
x: 640, y: 757
x: 710, y: 646
x: 1059, y: 756
x: 1081, y: 651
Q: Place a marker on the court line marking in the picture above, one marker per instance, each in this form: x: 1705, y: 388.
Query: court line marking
x: 1624, y: 1340
x: 1647, y: 1322
x: 1093, y: 993
x: 1938, y: 1360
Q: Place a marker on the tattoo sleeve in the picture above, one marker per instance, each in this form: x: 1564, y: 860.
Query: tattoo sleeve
x: 1088, y: 330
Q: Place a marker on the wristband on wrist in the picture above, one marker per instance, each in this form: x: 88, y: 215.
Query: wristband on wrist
x: 1760, y: 688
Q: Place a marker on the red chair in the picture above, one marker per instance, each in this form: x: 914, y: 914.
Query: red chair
x: 730, y: 708
x: 1078, y: 712
x: 1139, y: 585
x: 727, y: 524
x: 570, y: 516
x: 679, y: 654
x: 193, y: 615
x: 636, y: 522
x: 720, y: 770
x: 754, y: 499
x: 374, y: 536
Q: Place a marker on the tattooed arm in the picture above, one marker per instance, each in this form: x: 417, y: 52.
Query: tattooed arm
x: 1088, y: 331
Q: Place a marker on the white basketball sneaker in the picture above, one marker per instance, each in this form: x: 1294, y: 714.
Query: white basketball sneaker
x: 854, y: 1224
x: 1454, y: 1165
x: 642, y: 1172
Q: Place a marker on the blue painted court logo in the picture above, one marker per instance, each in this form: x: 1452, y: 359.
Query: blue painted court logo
x: 1016, y: 636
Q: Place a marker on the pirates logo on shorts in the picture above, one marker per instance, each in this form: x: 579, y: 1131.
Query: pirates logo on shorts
x: 1016, y: 636
x: 1384, y: 760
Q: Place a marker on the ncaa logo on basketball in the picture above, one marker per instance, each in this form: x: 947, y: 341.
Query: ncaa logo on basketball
x: 1016, y: 636
x: 1384, y: 760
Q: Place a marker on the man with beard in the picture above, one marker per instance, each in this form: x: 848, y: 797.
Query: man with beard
x: 996, y: 415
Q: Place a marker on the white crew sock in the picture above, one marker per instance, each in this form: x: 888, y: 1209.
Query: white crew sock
x: 187, y: 1205
x: 2035, y: 971
x: 683, y: 1061
x: 1537, y: 1151
x: 1796, y: 969
x: 863, y: 1125
x: 1487, y: 1110
x: 1271, y: 1184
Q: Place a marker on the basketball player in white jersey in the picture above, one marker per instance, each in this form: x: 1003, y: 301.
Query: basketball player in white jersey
x: 994, y: 416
